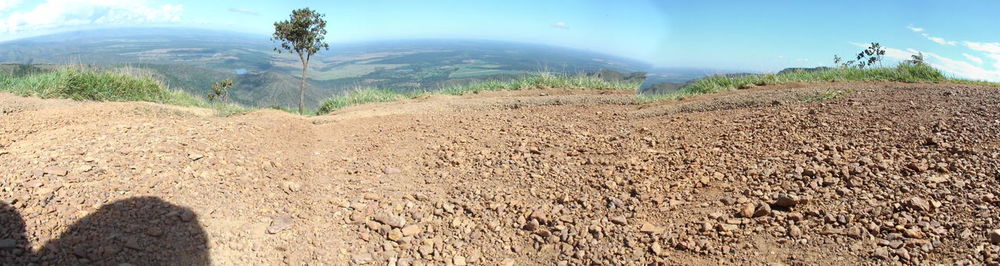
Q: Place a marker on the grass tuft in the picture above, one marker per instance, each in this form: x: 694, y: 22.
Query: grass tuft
x: 538, y: 81
x: 903, y: 72
x: 112, y: 86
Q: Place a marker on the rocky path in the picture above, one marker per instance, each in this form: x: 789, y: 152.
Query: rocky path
x: 884, y: 174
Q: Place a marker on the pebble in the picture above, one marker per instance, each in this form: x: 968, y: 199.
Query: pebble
x: 995, y: 236
x: 787, y: 201
x: 57, y: 171
x: 762, y: 210
x: 748, y: 210
x: 410, y: 230
x: 794, y: 231
x: 619, y: 219
x: 657, y: 249
x: 395, y: 234
x: 650, y: 228
x: 195, y: 156
x: 280, y: 223
x: 919, y: 204
x: 362, y: 258
x: 391, y: 170
x: 391, y: 220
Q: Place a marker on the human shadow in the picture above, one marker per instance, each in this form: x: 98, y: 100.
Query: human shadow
x: 136, y: 231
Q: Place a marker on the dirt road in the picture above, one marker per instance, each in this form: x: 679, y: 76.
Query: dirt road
x: 884, y: 173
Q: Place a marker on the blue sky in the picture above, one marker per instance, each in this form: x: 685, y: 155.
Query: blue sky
x: 959, y: 37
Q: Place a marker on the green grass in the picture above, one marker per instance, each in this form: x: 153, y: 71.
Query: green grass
x: 542, y: 80
x: 361, y: 97
x: 901, y: 73
x: 112, y: 86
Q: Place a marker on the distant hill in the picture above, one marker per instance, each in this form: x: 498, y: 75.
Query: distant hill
x: 191, y: 59
x: 803, y: 69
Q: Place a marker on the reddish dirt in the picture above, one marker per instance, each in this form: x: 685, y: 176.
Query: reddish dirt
x: 889, y: 173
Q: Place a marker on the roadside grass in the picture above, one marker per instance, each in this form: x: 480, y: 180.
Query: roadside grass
x: 538, y: 81
x: 903, y: 72
x: 106, y: 86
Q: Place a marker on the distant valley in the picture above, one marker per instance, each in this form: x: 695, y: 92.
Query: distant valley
x: 191, y: 60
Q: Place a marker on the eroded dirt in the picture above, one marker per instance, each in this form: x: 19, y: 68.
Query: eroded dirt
x: 890, y: 173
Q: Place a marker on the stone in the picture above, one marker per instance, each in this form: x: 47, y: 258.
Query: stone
x: 882, y: 253
x: 794, y: 231
x: 154, y: 231
x: 728, y: 227
x: 650, y: 228
x: 795, y: 216
x: 762, y: 210
x: 280, y: 223
x: 619, y: 219
x: 994, y: 236
x: 903, y: 253
x: 395, y: 234
x: 56, y: 170
x: 391, y: 220
x: 195, y: 156
x: 458, y: 260
x: 787, y: 201
x: 539, y: 215
x: 919, y: 204
x: 410, y: 230
x: 362, y: 258
x: 391, y: 171
x: 914, y: 233
x: 85, y: 168
x: 748, y: 210
x: 33, y: 184
x: 657, y: 249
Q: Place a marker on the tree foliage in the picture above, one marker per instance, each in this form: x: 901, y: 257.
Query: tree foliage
x: 917, y: 59
x: 302, y: 34
x: 871, y: 55
x: 220, y: 90
x: 866, y: 58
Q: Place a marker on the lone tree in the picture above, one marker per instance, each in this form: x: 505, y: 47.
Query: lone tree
x: 303, y: 35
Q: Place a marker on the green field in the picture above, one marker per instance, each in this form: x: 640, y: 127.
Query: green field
x: 350, y: 71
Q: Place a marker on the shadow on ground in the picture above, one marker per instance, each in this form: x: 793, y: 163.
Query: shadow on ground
x: 137, y: 231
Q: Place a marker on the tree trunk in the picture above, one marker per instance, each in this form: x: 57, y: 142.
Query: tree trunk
x: 302, y: 88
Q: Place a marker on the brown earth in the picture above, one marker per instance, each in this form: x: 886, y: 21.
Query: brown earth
x: 887, y: 174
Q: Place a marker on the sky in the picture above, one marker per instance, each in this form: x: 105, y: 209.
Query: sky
x: 960, y: 37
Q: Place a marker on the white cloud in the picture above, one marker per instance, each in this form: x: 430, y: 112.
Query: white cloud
x: 948, y: 65
x: 996, y: 60
x: 972, y: 58
x: 560, y: 25
x: 244, y: 11
x: 61, y: 13
x: 989, y: 47
x: 939, y: 40
x: 9, y: 4
x: 965, y: 69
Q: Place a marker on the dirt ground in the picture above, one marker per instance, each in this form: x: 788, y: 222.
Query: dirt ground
x: 887, y: 173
